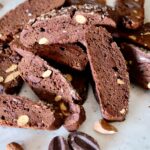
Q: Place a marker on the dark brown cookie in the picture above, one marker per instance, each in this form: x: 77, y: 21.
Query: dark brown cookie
x: 58, y: 143
x: 10, y: 79
x: 23, y: 13
x: 21, y: 112
x: 140, y: 37
x: 138, y: 61
x: 130, y: 13
x: 71, y: 55
x: 72, y: 19
x: 82, y: 141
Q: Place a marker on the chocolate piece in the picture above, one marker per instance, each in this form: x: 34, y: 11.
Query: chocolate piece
x: 23, y: 13
x: 109, y: 73
x: 58, y: 143
x: 82, y: 141
x: 140, y: 37
x: 130, y: 12
x: 138, y: 61
x: 24, y: 113
x: 72, y: 19
x: 71, y: 55
x: 10, y: 79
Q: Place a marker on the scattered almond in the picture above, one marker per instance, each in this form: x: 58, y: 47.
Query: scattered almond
x: 132, y: 37
x: 119, y: 81
x: 63, y: 107
x: 14, y: 146
x: 12, y: 76
x: 43, y: 41
x: 58, y: 98
x: 13, y: 67
x: 104, y: 127
x: 1, y: 79
x: 46, y: 74
x: 68, y: 77
x: 22, y: 120
x: 80, y: 19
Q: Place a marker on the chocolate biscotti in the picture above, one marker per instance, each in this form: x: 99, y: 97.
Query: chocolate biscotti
x: 10, y: 79
x: 138, y: 61
x: 16, y: 111
x: 130, y: 13
x: 23, y: 13
x: 72, y: 19
x: 71, y: 55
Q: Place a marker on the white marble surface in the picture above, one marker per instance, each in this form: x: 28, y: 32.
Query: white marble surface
x: 133, y: 133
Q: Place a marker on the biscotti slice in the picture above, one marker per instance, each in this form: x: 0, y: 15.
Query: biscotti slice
x: 10, y: 79
x: 22, y: 112
x: 23, y: 13
x: 109, y: 72
x: 47, y: 28
x: 46, y: 81
x: 138, y: 61
x: 131, y: 13
x: 71, y: 55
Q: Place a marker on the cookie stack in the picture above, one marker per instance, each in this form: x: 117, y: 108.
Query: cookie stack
x: 58, y: 51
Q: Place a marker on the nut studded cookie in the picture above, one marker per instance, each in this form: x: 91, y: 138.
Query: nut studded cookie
x: 130, y: 13
x: 139, y: 37
x: 23, y: 13
x: 10, y: 79
x: 138, y: 61
x: 72, y: 19
x: 71, y: 55
x: 16, y: 111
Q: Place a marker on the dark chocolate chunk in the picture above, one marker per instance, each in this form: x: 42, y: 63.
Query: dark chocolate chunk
x: 58, y: 143
x: 130, y: 13
x: 82, y: 141
x: 138, y: 61
x: 23, y: 13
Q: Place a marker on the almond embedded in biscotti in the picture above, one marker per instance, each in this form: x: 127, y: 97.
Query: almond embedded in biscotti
x: 121, y: 82
x: 13, y: 67
x: 46, y: 74
x: 80, y: 19
x: 1, y: 79
x: 63, y: 107
x: 58, y: 98
x: 43, y: 41
x: 12, y: 76
x: 14, y: 146
x: 104, y: 127
x: 23, y: 120
x: 123, y: 111
x: 132, y: 37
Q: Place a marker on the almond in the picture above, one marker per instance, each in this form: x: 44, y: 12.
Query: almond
x: 43, y: 41
x: 12, y: 76
x: 46, y: 74
x: 68, y: 77
x: 121, y: 82
x: 63, y: 107
x: 80, y: 19
x: 22, y: 120
x: 104, y: 127
x: 58, y: 98
x: 1, y: 79
x: 13, y: 67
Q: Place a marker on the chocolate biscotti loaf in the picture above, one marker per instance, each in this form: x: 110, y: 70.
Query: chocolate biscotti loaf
x: 14, y: 20
x: 10, y: 79
x: 16, y: 111
x: 73, y: 20
x: 71, y: 55
x: 130, y: 13
x: 138, y: 61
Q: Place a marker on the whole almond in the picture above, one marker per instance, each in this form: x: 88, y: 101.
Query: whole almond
x: 12, y: 76
x: 43, y: 41
x: 14, y: 146
x: 13, y: 67
x: 22, y: 120
x: 46, y: 74
x: 80, y: 19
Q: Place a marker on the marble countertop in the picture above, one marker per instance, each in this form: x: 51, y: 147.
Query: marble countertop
x: 133, y: 132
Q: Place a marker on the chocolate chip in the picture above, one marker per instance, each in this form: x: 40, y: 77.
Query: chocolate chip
x: 58, y: 143
x: 82, y: 141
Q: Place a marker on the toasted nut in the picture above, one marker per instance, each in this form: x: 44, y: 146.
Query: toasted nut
x: 14, y: 146
x: 13, y: 67
x: 104, y: 127
x: 58, y: 98
x: 119, y: 81
x: 123, y: 111
x: 63, y: 107
x: 1, y: 79
x: 46, y: 74
x: 132, y: 37
x: 80, y: 19
x: 68, y: 77
x: 148, y: 85
x: 43, y: 41
x: 12, y: 76
x: 22, y: 120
